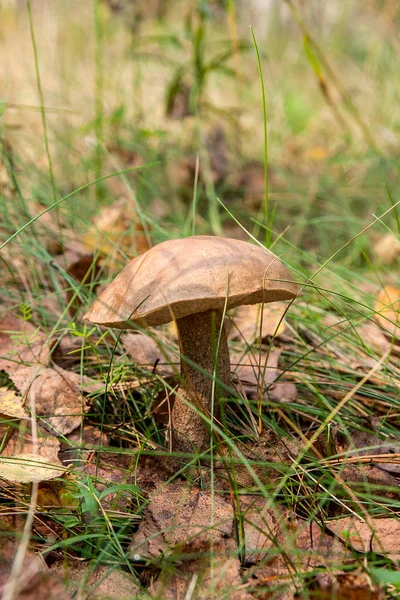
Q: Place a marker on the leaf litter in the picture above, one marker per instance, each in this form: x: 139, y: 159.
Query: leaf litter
x: 182, y: 521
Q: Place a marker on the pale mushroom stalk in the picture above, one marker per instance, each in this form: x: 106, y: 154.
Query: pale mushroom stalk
x: 199, y: 337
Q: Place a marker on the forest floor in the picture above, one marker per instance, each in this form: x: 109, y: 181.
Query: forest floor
x: 122, y: 128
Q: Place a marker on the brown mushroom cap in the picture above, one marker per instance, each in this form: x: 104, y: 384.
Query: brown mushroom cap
x: 181, y: 277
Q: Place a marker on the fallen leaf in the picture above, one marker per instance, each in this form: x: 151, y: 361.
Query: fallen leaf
x: 91, y: 581
x: 256, y: 368
x: 316, y: 153
x: 27, y: 468
x: 251, y: 320
x: 369, y: 443
x: 56, y: 396
x: 11, y: 404
x: 44, y: 586
x: 255, y: 371
x: 344, y: 586
x: 21, y: 344
x: 303, y: 547
x: 387, y: 248
x: 372, y: 336
x: 387, y: 309
x: 22, y: 442
x: 260, y: 528
x: 180, y: 515
x: 146, y: 353
x: 380, y: 535
x: 203, y: 578
x: 117, y: 227
x: 32, y: 564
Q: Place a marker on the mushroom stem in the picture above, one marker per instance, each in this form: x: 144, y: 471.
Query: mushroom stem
x: 198, y: 335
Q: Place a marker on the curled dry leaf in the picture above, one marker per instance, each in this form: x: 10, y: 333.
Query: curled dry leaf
x: 145, y: 352
x: 379, y: 535
x: 11, y: 404
x: 83, y: 267
x: 27, y: 468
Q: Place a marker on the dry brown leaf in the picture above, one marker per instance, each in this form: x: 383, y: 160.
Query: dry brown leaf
x: 387, y: 248
x: 344, y: 586
x: 22, y: 442
x: 25, y: 458
x: 56, y: 396
x: 145, y: 352
x: 369, y: 443
x: 117, y: 227
x: 184, y: 516
x: 360, y: 478
x: 27, y: 468
x: 11, y: 404
x: 372, y: 336
x: 380, y: 535
x: 387, y: 307
x: 65, y: 351
x: 260, y: 529
x: 257, y: 370
x: 21, y: 344
x: 204, y: 579
x: 32, y: 563
x: 316, y: 153
x: 43, y: 586
x: 300, y: 543
x: 103, y: 582
x: 250, y: 319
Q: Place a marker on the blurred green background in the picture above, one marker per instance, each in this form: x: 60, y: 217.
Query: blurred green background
x: 89, y: 88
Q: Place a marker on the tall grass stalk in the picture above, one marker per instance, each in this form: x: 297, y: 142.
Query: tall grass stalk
x: 268, y: 233
x: 43, y: 114
x: 99, y: 86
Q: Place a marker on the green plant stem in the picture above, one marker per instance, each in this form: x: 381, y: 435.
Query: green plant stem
x: 266, y: 183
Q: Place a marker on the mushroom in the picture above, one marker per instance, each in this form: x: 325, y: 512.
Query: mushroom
x: 193, y: 281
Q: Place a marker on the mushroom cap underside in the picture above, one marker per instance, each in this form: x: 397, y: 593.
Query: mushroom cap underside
x: 181, y: 277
